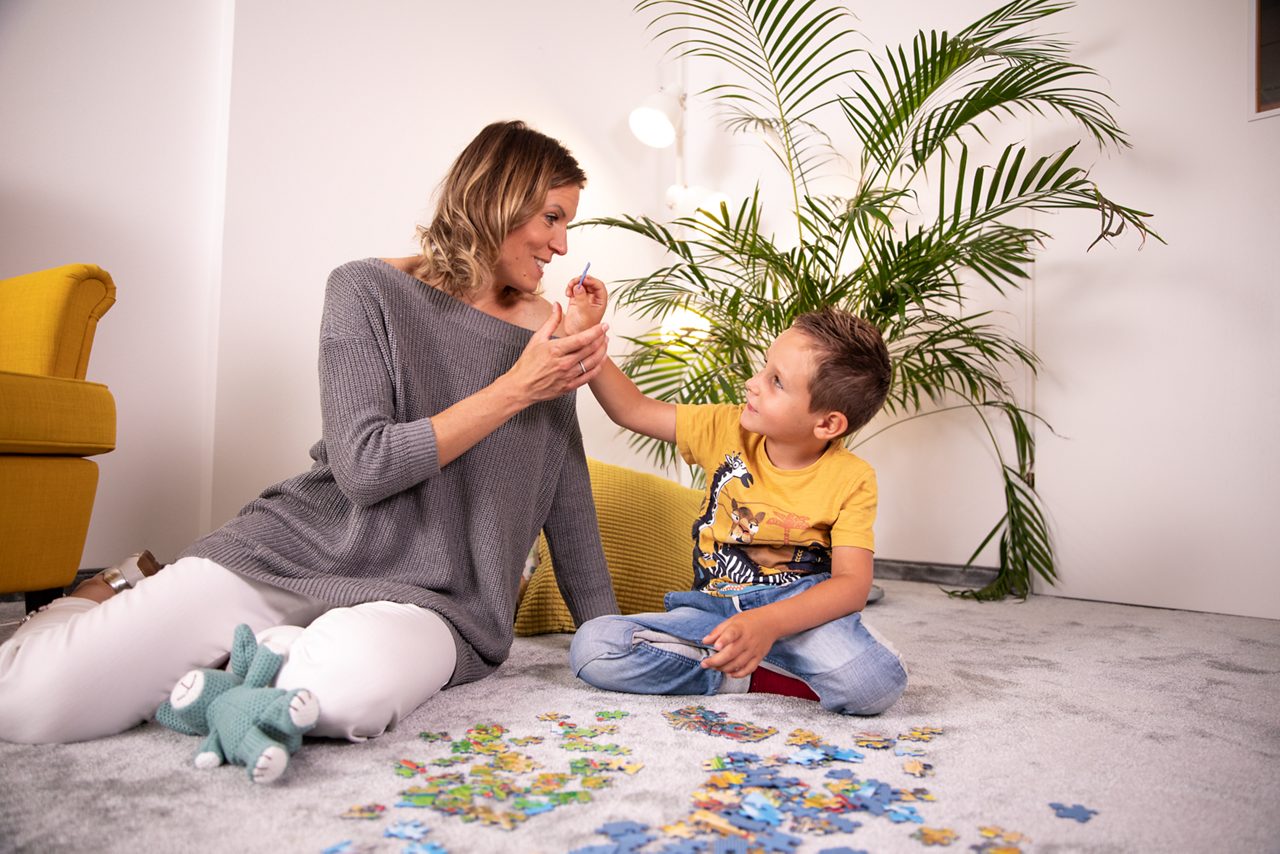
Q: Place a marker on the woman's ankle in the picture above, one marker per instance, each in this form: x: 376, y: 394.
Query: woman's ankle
x: 124, y: 575
x: 93, y: 588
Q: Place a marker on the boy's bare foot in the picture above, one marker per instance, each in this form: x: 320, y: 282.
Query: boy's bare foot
x: 123, y: 575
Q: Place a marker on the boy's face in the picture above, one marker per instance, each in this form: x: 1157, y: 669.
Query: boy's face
x: 778, y: 403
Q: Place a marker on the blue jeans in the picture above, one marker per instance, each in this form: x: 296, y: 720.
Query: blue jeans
x: 660, y: 653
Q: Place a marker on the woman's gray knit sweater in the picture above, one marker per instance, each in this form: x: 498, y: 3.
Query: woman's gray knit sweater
x: 376, y: 518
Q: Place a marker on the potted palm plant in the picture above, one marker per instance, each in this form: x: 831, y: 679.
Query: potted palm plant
x: 925, y: 226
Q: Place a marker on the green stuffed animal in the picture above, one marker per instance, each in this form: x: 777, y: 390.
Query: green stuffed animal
x: 246, y: 721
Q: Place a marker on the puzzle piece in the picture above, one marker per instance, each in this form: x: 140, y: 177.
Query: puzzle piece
x: 702, y: 719
x: 410, y: 829
x: 920, y: 733
x: 873, y: 741
x: 365, y: 811
x: 347, y: 846
x: 916, y: 768
x: 1079, y: 812
x: 800, y: 737
x: 424, y: 848
x: 935, y: 835
x: 613, y: 715
x: 996, y: 840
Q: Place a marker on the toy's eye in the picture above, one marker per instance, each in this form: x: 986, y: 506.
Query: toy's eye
x: 188, y: 690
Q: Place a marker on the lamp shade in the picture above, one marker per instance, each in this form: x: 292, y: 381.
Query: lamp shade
x: 656, y: 120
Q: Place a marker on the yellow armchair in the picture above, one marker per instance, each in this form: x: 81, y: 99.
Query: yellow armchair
x: 50, y: 420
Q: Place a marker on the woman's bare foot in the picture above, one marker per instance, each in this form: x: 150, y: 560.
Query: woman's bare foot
x: 125, y: 574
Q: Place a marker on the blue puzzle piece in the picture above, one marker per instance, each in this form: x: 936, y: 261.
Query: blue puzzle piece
x: 631, y: 842
x: 411, y: 829
x: 759, y: 807
x: 684, y: 846
x: 596, y: 849
x: 900, y: 814
x: 784, y: 843
x: 1079, y: 812
x: 807, y: 756
x: 424, y: 848
x: 840, y: 774
x: 742, y: 822
x: 614, y: 829
x: 730, y: 845
x: 843, y: 850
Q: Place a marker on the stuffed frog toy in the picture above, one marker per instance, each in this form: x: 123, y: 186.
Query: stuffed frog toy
x: 245, y: 721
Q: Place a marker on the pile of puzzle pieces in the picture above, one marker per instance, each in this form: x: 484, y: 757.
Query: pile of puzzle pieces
x: 747, y: 803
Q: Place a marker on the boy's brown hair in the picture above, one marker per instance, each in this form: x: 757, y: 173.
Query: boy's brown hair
x: 852, y: 370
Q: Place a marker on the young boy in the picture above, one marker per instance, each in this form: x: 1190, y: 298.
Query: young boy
x: 782, y: 553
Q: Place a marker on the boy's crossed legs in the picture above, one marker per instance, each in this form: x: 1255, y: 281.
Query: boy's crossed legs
x: 850, y: 670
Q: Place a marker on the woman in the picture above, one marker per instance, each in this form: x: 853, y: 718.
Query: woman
x: 390, y: 569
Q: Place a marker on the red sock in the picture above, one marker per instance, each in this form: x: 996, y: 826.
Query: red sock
x: 770, y: 682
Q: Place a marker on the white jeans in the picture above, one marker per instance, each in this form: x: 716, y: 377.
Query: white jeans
x: 79, y: 670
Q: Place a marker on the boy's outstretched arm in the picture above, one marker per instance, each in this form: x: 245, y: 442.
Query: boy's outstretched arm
x: 617, y: 394
x: 743, y: 640
x: 631, y: 408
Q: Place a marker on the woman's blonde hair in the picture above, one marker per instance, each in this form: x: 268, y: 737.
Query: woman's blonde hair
x: 499, y: 182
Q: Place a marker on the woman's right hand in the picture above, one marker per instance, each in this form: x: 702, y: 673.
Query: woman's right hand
x: 551, y: 367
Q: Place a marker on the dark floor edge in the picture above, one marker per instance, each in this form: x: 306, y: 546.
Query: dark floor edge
x: 950, y: 574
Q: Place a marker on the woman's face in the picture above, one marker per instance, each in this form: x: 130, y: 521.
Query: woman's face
x: 529, y: 247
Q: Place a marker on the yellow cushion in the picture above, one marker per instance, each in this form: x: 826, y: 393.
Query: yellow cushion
x: 645, y: 525
x: 44, y: 521
x: 49, y: 415
x: 49, y: 319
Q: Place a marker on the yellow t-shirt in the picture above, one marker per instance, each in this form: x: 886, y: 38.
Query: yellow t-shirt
x: 762, y: 525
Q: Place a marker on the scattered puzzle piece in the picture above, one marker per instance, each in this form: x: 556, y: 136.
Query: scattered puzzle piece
x: 616, y: 714
x: 1079, y: 812
x: 702, y: 719
x: 410, y: 829
x: 365, y: 811
x: 916, y: 768
x: 935, y: 835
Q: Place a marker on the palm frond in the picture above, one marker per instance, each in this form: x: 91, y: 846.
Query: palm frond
x: 790, y: 55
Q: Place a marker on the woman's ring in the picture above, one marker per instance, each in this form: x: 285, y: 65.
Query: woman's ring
x: 584, y: 367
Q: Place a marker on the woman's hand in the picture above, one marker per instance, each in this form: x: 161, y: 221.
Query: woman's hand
x: 550, y: 367
x: 588, y: 299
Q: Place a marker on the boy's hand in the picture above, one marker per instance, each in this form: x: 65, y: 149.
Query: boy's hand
x: 587, y: 302
x: 741, y: 643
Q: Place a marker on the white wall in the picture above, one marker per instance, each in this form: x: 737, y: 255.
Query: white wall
x: 1160, y: 364
x: 111, y: 154
x: 344, y: 119
x: 1163, y: 364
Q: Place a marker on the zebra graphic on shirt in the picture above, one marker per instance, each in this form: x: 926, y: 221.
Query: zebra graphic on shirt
x: 733, y: 468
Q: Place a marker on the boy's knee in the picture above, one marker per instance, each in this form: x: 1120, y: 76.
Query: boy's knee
x: 596, y: 647
x: 870, y: 687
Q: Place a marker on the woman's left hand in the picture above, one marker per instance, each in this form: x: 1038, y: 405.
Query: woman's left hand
x: 588, y: 299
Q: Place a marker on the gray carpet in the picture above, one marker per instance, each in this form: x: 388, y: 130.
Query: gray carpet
x: 1164, y: 722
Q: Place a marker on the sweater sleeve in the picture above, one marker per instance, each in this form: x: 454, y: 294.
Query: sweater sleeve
x: 372, y: 455
x: 573, y: 537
